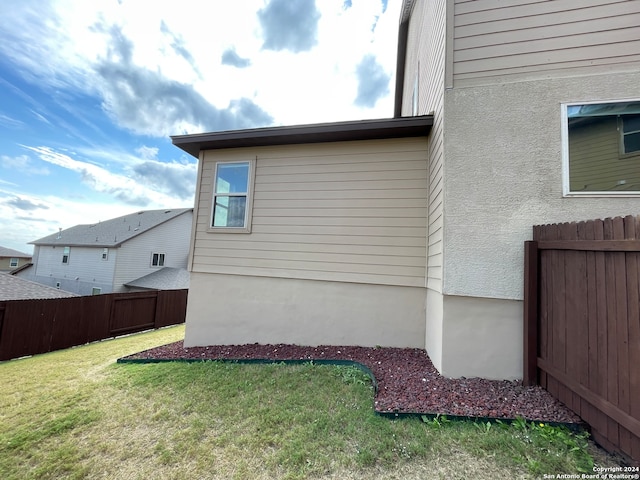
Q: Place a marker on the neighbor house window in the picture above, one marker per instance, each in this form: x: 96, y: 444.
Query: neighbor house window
x: 65, y: 254
x: 13, y: 262
x: 157, y: 260
x: 630, y: 126
x: 96, y: 291
x: 232, y: 196
x: 105, y: 254
x: 601, y: 148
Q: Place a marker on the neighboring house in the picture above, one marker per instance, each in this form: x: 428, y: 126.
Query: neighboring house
x: 413, y: 236
x: 103, y: 257
x: 11, y: 259
x: 14, y: 288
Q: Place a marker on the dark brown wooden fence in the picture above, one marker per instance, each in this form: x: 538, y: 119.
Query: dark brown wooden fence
x: 28, y: 327
x: 582, y: 323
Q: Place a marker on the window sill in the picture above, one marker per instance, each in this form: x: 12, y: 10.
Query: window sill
x: 633, y: 194
x: 229, y: 229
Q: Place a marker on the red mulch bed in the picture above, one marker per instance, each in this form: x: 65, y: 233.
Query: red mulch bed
x: 407, y: 380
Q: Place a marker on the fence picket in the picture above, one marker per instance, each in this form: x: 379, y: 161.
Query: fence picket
x: 589, y: 324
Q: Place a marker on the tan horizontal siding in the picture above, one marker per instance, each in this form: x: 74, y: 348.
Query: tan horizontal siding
x: 399, y: 204
x: 386, y: 250
x: 477, y: 11
x: 358, y: 218
x: 595, y: 159
x: 203, y: 237
x: 426, y: 59
x: 348, y: 211
x: 601, y: 65
x: 475, y: 36
x: 339, y: 194
x: 333, y: 276
x: 333, y: 186
x: 314, y: 265
x: 346, y: 231
x: 501, y: 39
x: 304, y: 258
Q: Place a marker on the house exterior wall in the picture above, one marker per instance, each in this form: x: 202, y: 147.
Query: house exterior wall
x: 84, y: 271
x: 505, y: 175
x: 344, y: 211
x: 5, y: 263
x: 336, y: 253
x: 425, y: 68
x: 233, y: 309
x: 497, y: 41
x: 134, y: 256
x: 508, y: 67
x: 87, y: 270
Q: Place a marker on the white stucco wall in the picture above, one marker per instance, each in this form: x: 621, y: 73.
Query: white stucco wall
x: 239, y: 309
x: 503, y: 174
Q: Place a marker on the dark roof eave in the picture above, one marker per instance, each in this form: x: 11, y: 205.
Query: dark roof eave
x: 300, y: 134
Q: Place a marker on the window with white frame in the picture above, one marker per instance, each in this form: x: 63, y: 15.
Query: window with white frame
x: 157, y: 259
x: 630, y: 126
x: 96, y: 291
x: 601, y: 148
x: 66, y: 252
x: 13, y: 262
x: 232, y: 192
x: 105, y: 254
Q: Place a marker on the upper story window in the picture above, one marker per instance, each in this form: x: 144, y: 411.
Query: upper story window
x: 157, y: 260
x: 13, y: 262
x: 105, y: 254
x: 65, y: 254
x: 232, y: 191
x: 601, y: 148
x: 630, y: 134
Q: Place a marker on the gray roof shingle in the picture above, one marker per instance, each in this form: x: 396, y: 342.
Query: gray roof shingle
x: 111, y: 233
x: 16, y: 288
x: 166, y: 278
x: 10, y: 252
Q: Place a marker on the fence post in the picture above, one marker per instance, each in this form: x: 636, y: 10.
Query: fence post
x: 530, y: 311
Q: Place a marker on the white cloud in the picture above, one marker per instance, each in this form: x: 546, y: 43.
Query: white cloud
x: 22, y: 164
x: 148, y: 153
x: 183, y: 47
x: 10, y: 122
x: 25, y: 218
x: 158, y: 69
x: 122, y: 188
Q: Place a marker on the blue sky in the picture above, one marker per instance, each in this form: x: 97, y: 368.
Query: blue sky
x: 91, y: 90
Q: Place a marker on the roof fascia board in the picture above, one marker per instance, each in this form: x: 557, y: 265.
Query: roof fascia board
x: 299, y: 134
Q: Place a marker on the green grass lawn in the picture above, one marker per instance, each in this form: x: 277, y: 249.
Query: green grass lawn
x: 78, y: 414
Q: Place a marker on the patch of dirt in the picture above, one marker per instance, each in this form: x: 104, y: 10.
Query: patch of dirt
x: 406, y: 379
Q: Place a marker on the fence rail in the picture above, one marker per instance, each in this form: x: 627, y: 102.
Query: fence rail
x: 582, y: 323
x: 29, y: 327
